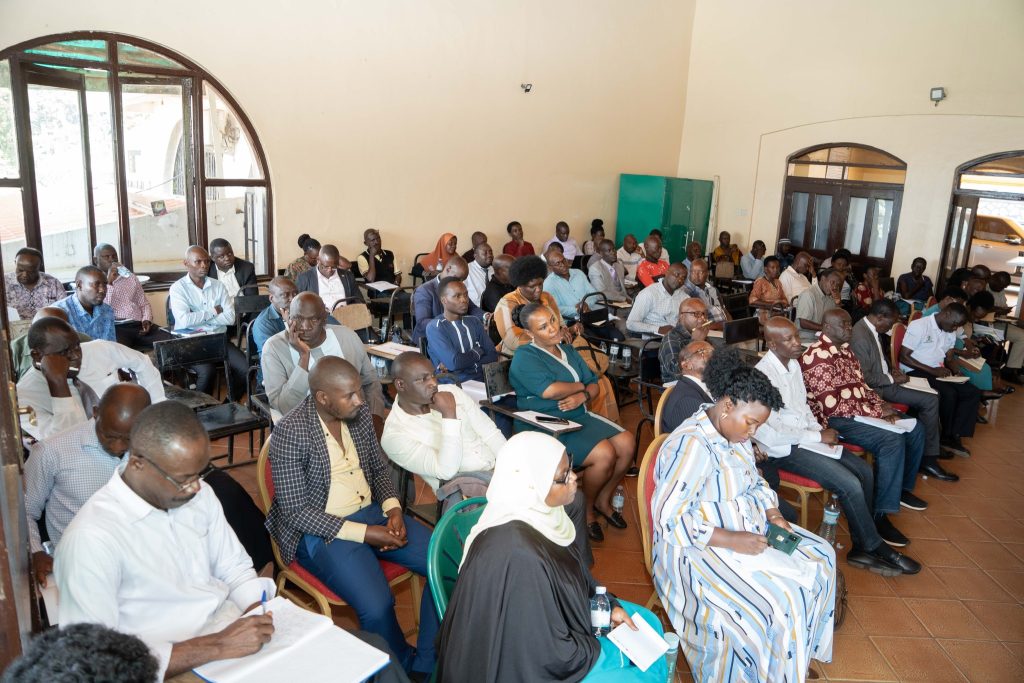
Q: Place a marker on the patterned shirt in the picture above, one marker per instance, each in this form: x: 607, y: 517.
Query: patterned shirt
x: 766, y: 292
x: 129, y: 302
x: 98, y: 325
x: 709, y: 295
x: 62, y: 473
x: 835, y: 384
x: 668, y: 354
x: 27, y: 301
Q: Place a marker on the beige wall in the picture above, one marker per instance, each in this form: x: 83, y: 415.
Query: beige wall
x: 408, y: 115
x: 769, y: 78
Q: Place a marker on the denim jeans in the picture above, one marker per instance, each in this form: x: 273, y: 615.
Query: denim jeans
x: 897, y: 458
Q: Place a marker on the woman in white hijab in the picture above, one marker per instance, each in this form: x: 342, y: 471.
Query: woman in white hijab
x: 520, y: 610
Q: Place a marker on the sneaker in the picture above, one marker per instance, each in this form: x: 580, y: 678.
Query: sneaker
x: 889, y: 533
x: 633, y: 471
x: 912, y: 502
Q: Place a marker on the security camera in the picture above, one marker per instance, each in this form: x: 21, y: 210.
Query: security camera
x: 527, y: 87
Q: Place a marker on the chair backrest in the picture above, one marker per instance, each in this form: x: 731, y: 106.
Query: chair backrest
x: 661, y: 409
x: 725, y: 270
x: 265, y: 484
x: 741, y: 330
x: 250, y: 303
x: 355, y: 316
x: 645, y: 493
x: 650, y: 362
x: 168, y: 313
x: 599, y: 309
x: 183, y: 352
x: 738, y: 304
x: 447, y: 543
x: 914, y: 315
x: 496, y: 378
x: 896, y: 334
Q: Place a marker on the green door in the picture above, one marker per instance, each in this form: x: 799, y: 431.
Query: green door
x: 679, y: 207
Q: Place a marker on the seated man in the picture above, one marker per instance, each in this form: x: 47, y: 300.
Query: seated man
x: 607, y: 275
x: 64, y: 470
x: 426, y: 303
x: 569, y: 246
x: 726, y: 250
x: 697, y: 285
x: 21, y: 355
x: 691, y: 327
x: 289, y: 356
x: 237, y: 275
x: 688, y: 393
x: 337, y: 512
x: 656, y: 308
x: 752, y: 263
x: 499, y: 285
x: 568, y: 286
x: 849, y: 477
x: 28, y: 288
x: 475, y: 240
x: 455, y: 341
x: 890, y: 383
x: 693, y: 252
x: 271, y: 319
x: 85, y: 308
x: 915, y: 286
x: 652, y: 267
x: 133, y: 314
x: 480, y: 271
x: 630, y: 255
x: 837, y: 394
x: 929, y: 351
x: 68, y: 377
x: 784, y: 252
x: 376, y: 264
x: 812, y: 304
x: 797, y: 277
x: 199, y: 301
x: 329, y: 279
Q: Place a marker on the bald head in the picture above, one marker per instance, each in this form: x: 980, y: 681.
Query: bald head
x: 197, y: 263
x: 692, y: 313
x: 407, y: 364
x: 50, y: 312
x: 778, y: 326
x: 163, y: 431
x: 119, y: 407
x: 693, y: 358
x: 456, y: 267
x: 783, y: 339
x: 501, y: 264
x: 330, y: 373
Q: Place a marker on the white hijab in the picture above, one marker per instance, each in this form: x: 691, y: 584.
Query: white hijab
x: 523, y: 473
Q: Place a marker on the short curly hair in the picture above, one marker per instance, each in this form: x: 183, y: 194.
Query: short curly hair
x: 84, y: 652
x: 526, y: 268
x: 726, y: 375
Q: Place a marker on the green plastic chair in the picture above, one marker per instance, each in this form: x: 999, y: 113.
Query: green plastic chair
x: 444, y: 554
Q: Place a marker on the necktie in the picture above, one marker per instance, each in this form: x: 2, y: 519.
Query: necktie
x: 90, y: 401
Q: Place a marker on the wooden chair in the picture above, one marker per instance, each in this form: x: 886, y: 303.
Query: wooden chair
x: 804, y: 489
x: 298, y: 576
x: 645, y: 491
x: 896, y: 334
x: 356, y: 316
x: 661, y: 409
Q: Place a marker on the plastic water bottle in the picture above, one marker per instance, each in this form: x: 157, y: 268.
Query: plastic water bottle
x: 603, y: 347
x: 123, y: 272
x: 384, y: 321
x: 627, y: 357
x: 600, y: 612
x: 619, y: 499
x: 671, y: 654
x: 827, y: 530
x: 613, y: 352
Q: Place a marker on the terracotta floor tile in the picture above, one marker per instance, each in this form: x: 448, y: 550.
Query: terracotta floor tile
x: 1005, y: 530
x: 863, y: 582
x: 949, y: 619
x: 961, y: 529
x: 1011, y: 581
x: 972, y: 506
x: 886, y: 617
x: 855, y: 658
x: 915, y: 525
x: 944, y: 505
x: 1015, y: 548
x: 1005, y: 620
x: 984, y: 661
x: 1017, y: 649
x: 938, y: 554
x: 970, y: 584
x: 620, y: 566
x: 917, y: 659
x: 925, y: 584
x: 990, y: 555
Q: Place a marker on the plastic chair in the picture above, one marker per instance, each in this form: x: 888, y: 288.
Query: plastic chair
x: 295, y: 574
x: 447, y: 543
x: 643, y: 504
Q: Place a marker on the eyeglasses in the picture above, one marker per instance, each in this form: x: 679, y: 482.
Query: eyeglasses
x: 564, y: 479
x: 696, y: 314
x: 181, y: 486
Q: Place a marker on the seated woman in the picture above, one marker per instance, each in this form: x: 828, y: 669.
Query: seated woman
x: 520, y: 610
x: 914, y: 288
x: 596, y: 235
x: 867, y: 292
x: 310, y: 255
x: 711, y: 559
x: 551, y: 377
x: 527, y: 276
x: 433, y: 263
x: 767, y: 294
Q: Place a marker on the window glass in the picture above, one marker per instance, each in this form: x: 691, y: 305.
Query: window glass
x: 93, y: 50
x: 239, y: 215
x: 8, y: 141
x: 880, y: 225
x: 140, y: 56
x: 798, y: 219
x: 855, y: 223
x: 12, y: 225
x: 822, y: 218
x: 228, y: 150
x: 101, y: 156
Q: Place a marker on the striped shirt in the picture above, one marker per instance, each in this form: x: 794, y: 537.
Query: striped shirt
x: 654, y: 308
x: 129, y: 302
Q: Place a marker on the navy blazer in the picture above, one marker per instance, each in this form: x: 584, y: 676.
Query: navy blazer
x: 245, y: 275
x: 682, y: 401
x: 308, y: 282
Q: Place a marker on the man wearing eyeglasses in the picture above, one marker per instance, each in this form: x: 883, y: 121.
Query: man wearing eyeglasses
x: 693, y: 313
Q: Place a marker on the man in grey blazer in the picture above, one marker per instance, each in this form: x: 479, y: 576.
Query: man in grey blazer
x: 329, y: 274
x: 607, y: 275
x: 889, y: 382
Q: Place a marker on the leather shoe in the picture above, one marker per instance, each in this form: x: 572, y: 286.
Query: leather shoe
x: 936, y: 472
x: 615, y: 519
x: 954, y: 445
x: 905, y: 564
x: 889, y: 533
x: 1008, y: 389
x: 595, y: 532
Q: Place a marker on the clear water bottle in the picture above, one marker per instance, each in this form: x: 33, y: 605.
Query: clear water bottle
x: 603, y: 347
x: 613, y: 352
x: 619, y: 499
x: 671, y: 654
x: 384, y: 328
x: 627, y: 357
x: 123, y: 272
x: 830, y: 521
x: 600, y: 612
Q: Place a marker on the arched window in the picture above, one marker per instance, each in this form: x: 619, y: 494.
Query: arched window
x: 109, y: 138
x: 843, y: 195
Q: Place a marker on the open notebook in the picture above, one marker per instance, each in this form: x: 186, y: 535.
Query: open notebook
x: 306, y: 647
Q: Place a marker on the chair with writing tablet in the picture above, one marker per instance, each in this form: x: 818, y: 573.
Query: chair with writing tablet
x: 296, y: 575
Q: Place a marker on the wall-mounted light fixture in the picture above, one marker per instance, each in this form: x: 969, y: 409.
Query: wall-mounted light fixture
x: 937, y: 95
x: 527, y: 87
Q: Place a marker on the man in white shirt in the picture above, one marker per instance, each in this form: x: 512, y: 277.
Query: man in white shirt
x: 68, y: 377
x: 796, y: 278
x: 630, y: 255
x: 199, y: 301
x: 480, y: 271
x: 289, y: 356
x: 237, y: 275
x: 789, y: 438
x: 656, y: 308
x: 607, y: 275
x: 436, y: 431
x: 332, y: 280
x: 929, y: 351
x: 151, y: 554
x: 569, y: 247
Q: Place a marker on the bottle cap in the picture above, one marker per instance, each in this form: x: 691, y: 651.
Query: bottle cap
x: 672, y: 641
x: 600, y: 590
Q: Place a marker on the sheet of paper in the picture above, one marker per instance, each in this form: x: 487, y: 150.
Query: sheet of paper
x: 390, y: 350
x: 716, y: 334
x: 920, y: 384
x: 976, y: 363
x: 900, y: 427
x: 532, y: 415
x: 834, y: 452
x: 986, y: 331
x: 475, y: 389
x: 643, y: 647
x: 954, y: 379
x: 381, y: 286
x: 51, y: 598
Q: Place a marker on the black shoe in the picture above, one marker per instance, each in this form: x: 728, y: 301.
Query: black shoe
x: 981, y: 419
x: 615, y: 519
x: 862, y: 559
x: 595, y: 532
x: 889, y: 533
x: 936, y: 472
x: 991, y: 395
x: 633, y: 471
x: 905, y: 564
x: 954, y: 445
x: 1008, y: 389
x: 1012, y: 375
x: 912, y: 502
x: 945, y: 455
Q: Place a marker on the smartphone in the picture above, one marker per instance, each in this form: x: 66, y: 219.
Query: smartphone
x: 782, y: 540
x: 552, y: 420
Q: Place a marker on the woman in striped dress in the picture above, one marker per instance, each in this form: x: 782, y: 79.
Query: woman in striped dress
x: 743, y: 611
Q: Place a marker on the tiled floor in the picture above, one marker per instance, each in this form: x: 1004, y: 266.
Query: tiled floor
x: 961, y: 618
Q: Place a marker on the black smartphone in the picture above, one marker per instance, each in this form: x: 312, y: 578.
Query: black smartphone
x: 552, y: 420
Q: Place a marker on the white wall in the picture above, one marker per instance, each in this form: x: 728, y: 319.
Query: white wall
x: 769, y: 78
x: 408, y: 116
